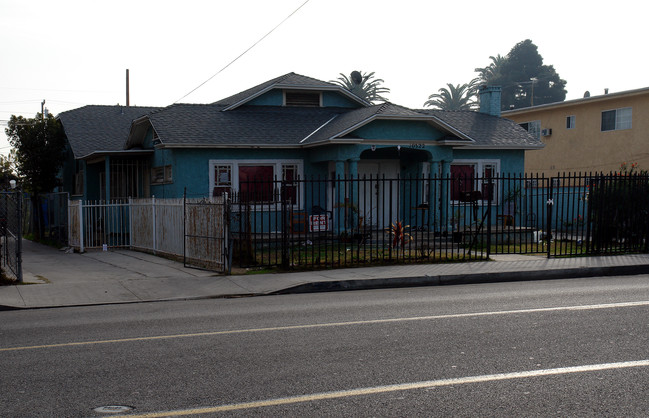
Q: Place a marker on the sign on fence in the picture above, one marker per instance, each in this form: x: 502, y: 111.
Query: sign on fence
x: 318, y: 223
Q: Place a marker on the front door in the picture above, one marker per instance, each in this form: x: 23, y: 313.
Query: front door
x: 378, y: 193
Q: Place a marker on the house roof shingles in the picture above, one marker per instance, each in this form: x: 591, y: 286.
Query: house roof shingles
x: 486, y: 130
x: 248, y: 125
x: 200, y: 125
x: 97, y: 128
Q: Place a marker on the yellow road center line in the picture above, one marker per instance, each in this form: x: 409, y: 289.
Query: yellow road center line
x: 396, y: 388
x: 332, y: 324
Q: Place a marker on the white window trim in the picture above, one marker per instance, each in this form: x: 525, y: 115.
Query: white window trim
x: 479, y: 168
x: 617, y: 127
x: 277, y: 173
x: 573, y: 119
x: 537, y: 133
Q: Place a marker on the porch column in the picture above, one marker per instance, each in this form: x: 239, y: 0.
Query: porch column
x: 445, y: 196
x: 433, y: 195
x: 339, y: 196
x: 107, y: 178
x: 353, y: 191
x: 84, y: 167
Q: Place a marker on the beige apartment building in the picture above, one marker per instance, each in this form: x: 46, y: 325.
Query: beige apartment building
x: 593, y: 134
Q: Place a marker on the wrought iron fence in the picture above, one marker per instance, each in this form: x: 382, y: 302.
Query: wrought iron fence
x: 11, y: 234
x: 324, y: 222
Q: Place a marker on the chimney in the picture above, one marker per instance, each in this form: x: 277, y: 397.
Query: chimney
x: 490, y: 100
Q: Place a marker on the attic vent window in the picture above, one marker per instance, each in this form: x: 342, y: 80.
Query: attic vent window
x: 302, y: 99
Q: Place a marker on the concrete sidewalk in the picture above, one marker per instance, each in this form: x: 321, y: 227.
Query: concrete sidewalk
x: 59, y: 279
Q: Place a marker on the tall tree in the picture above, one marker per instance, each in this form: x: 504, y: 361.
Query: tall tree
x: 363, y: 85
x: 7, y: 172
x: 524, y: 79
x: 455, y: 97
x: 39, y: 145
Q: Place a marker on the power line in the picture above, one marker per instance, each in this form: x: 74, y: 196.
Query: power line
x: 244, y: 52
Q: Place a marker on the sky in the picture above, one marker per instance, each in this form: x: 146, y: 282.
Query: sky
x: 74, y: 53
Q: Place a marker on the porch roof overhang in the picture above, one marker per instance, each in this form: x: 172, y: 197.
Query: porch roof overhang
x: 125, y: 153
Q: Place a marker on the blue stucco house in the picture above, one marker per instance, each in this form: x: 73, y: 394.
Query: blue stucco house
x: 289, y: 127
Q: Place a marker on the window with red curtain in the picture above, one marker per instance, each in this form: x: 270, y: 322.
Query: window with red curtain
x: 256, y: 183
x: 462, y: 179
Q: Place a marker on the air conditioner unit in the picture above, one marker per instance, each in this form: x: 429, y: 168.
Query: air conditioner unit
x: 546, y: 132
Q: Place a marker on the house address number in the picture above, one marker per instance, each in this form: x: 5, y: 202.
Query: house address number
x: 418, y: 146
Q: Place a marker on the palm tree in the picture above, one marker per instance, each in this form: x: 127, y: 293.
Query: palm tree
x: 363, y: 85
x: 458, y: 97
x: 493, y: 72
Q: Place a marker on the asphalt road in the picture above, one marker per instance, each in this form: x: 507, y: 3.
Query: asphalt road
x: 548, y: 348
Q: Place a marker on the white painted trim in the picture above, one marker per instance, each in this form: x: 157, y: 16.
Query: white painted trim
x: 277, y: 173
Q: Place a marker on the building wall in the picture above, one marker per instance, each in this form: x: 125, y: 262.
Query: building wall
x: 586, y: 148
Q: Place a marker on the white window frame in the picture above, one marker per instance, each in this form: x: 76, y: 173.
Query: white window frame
x: 570, y: 122
x: 623, y: 119
x: 533, y: 128
x: 277, y: 173
x: 480, y: 166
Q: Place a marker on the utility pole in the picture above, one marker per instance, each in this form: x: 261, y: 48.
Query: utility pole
x: 43, y: 110
x: 533, y: 79
x: 127, y: 90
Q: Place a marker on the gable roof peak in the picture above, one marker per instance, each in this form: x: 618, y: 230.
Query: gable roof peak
x: 289, y: 81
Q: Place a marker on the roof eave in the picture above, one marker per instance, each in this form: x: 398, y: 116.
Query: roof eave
x: 500, y: 147
x: 104, y: 153
x: 225, y: 145
x: 567, y: 103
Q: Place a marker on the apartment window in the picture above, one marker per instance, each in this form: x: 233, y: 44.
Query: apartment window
x: 570, y: 122
x: 533, y: 128
x: 472, y: 176
x: 257, y: 181
x: 617, y: 119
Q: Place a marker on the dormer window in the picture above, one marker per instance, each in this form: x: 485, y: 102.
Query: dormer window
x: 302, y: 98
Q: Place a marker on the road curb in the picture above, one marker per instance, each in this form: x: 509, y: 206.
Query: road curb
x: 466, y: 278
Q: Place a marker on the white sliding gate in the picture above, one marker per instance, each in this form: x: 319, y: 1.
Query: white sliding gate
x: 155, y: 225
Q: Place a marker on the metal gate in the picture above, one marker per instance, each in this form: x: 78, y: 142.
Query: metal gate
x: 11, y: 231
x: 206, y: 231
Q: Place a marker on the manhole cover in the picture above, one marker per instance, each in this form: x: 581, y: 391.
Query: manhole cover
x: 112, y: 409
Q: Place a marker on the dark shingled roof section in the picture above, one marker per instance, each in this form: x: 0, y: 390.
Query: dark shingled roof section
x: 96, y: 128
x: 486, y: 130
x: 248, y: 125
x: 286, y: 80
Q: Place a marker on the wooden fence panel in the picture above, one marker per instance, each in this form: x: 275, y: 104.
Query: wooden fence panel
x: 169, y: 226
x: 205, y: 233
x: 74, y: 224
